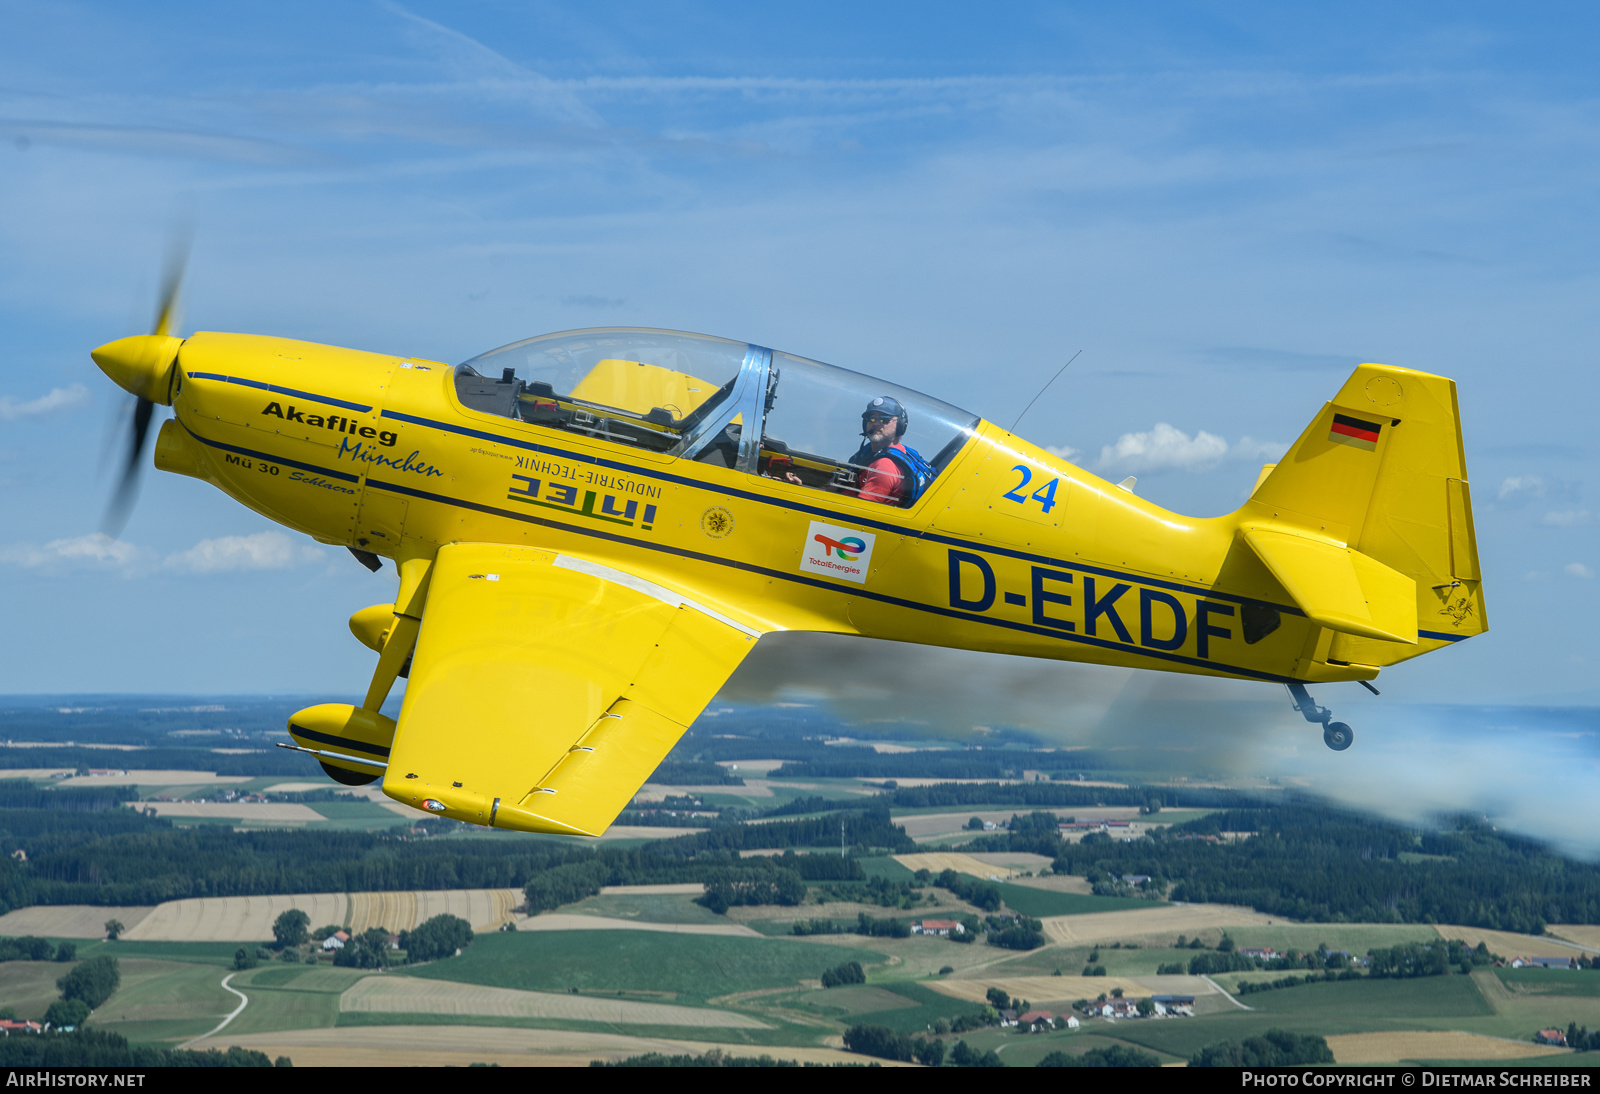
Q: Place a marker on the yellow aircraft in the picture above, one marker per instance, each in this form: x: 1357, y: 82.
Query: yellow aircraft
x: 593, y: 528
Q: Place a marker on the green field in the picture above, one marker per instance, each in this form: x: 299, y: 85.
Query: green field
x: 885, y: 867
x: 1072, y: 960
x: 1357, y: 938
x: 1026, y: 900
x: 292, y: 997
x: 1550, y: 981
x: 206, y: 953
x: 165, y: 1001
x: 30, y: 986
x: 360, y: 815
x: 689, y: 968
x: 646, y: 907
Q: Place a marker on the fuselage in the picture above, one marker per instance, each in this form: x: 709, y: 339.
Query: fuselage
x: 1011, y: 549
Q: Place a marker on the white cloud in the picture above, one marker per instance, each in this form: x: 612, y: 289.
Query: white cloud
x: 1577, y: 569
x: 1065, y: 451
x: 1163, y: 448
x: 1522, y: 486
x: 99, y: 551
x: 59, y: 399
x: 269, y: 550
x: 1567, y: 518
x: 262, y: 551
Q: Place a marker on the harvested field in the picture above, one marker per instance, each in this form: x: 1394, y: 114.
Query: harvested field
x: 745, y: 768
x: 249, y: 918
x: 643, y: 831
x: 938, y: 861
x: 233, y: 919
x: 1057, y: 884
x: 688, y: 888
x: 1173, y: 919
x: 485, y: 909
x: 1509, y: 945
x: 1583, y: 934
x: 68, y: 920
x: 557, y: 921
x: 442, y: 1046
x: 406, y: 995
x: 247, y: 812
x: 142, y: 777
x: 752, y: 788
x: 1392, y: 1047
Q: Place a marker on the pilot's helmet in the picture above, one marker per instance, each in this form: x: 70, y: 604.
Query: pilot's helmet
x: 886, y: 407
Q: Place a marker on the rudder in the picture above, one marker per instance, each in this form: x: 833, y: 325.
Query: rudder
x: 1382, y: 470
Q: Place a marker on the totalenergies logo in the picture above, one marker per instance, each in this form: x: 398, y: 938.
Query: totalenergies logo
x: 848, y: 549
x: 835, y: 552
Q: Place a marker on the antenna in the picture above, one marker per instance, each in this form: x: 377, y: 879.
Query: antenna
x: 1044, y: 389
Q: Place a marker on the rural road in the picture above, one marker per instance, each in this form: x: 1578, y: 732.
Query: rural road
x: 244, y: 1001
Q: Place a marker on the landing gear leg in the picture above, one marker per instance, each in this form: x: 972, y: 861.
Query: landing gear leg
x: 1336, y: 735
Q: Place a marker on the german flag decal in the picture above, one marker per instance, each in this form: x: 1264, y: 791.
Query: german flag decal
x: 1354, y: 432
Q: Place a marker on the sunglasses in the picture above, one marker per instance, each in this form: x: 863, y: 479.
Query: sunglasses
x: 876, y: 419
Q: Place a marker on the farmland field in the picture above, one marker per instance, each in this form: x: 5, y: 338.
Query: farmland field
x: 68, y: 920
x: 1149, y: 919
x: 415, y: 995
x: 1397, y: 1045
x: 649, y: 907
x: 1584, y: 934
x: 165, y: 1000
x: 30, y: 986
x: 453, y: 1045
x: 250, y: 918
x: 681, y: 966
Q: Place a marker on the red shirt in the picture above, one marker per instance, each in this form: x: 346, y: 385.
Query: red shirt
x: 883, y: 481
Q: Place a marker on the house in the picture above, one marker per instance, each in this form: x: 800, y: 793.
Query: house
x: 1115, y: 1008
x: 1008, y: 1018
x: 1174, y: 1005
x: 8, y: 1026
x: 1036, y: 1021
x: 1265, y: 953
x: 1072, y: 1021
x: 1551, y: 1037
x: 335, y: 941
x: 1136, y: 880
x: 1552, y: 962
x: 944, y: 928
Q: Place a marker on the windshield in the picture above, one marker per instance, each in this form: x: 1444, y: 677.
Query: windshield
x: 691, y: 395
x: 648, y: 388
x: 832, y: 429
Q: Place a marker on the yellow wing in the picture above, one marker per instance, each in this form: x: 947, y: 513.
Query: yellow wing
x: 545, y: 688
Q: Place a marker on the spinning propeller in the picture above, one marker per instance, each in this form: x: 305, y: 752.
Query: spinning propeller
x: 142, y: 365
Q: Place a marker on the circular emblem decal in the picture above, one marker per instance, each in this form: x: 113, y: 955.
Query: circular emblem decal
x: 716, y: 522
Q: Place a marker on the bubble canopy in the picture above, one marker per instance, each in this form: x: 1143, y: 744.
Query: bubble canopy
x: 703, y: 398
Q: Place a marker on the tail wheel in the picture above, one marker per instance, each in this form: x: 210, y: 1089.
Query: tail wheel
x: 1337, y: 736
x: 347, y: 777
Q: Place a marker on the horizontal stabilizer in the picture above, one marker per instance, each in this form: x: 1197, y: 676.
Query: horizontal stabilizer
x: 1341, y: 589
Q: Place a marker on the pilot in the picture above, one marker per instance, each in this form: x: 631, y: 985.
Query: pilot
x: 888, y: 472
x: 883, y: 477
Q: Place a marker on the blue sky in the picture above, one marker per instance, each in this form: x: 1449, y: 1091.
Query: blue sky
x: 1225, y: 207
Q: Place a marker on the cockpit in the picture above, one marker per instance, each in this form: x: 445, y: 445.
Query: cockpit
x: 718, y: 401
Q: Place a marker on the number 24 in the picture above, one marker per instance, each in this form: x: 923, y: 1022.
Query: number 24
x: 1045, y: 495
